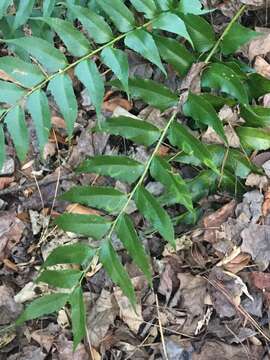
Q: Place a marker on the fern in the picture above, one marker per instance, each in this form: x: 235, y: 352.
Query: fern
x: 39, y: 68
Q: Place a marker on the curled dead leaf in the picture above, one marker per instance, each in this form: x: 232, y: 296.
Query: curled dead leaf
x: 112, y: 104
x: 262, y: 67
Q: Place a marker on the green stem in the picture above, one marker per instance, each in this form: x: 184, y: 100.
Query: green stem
x: 228, y: 28
x: 142, y: 177
x: 147, y: 166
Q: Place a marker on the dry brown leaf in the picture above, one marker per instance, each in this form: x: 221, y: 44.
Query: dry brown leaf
x: 111, y: 104
x: 260, y: 45
x: 11, y: 229
x: 80, y: 209
x: 49, y: 150
x: 9, y: 308
x: 211, y: 137
x: 260, y: 280
x: 221, y: 287
x: 5, y: 181
x: 238, y: 263
x: 266, y: 204
x: 100, y: 317
x: 163, y: 150
x: 228, y: 115
x: 255, y: 180
x: 192, y: 81
x: 215, y: 220
x: 58, y: 122
x: 127, y: 313
x: 256, y: 239
x: 213, y: 350
x: 262, y: 67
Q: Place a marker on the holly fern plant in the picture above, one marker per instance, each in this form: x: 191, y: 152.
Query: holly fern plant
x: 165, y: 33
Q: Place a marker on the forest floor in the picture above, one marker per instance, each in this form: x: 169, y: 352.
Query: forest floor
x: 211, y: 297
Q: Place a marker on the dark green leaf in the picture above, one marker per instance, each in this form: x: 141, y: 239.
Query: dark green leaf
x: 65, y: 279
x: 89, y: 225
x: 254, y: 138
x: 257, y: 116
x: 79, y: 253
x: 218, y: 101
x: 221, y: 77
x: 179, y: 136
x: 117, y: 60
x: 148, y: 7
x: 78, y: 318
x: 104, y: 198
x: 119, y: 13
x: 10, y: 93
x: 174, y: 53
x: 48, y: 6
x: 128, y: 235
x: 44, y: 305
x: 192, y: 7
x: 151, y: 92
x: 235, y: 162
x: 172, y: 23
x: 143, y: 43
x: 258, y: 85
x: 174, y: 184
x: 48, y: 56
x: 118, y: 167
x: 15, y: 121
x: 139, y: 131
x: 87, y: 72
x: 155, y: 214
x: 202, y: 185
x: 164, y: 4
x: 201, y: 32
x: 76, y: 43
x: 203, y: 112
x: 94, y: 24
x: 237, y: 36
x: 23, y: 13
x: 39, y: 109
x: 23, y: 72
x: 112, y: 264
x: 2, y: 147
x: 4, y: 4
x: 61, y: 88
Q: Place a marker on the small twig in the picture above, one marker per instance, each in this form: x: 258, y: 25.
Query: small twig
x: 241, y: 310
x: 161, y: 331
x: 18, y: 188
